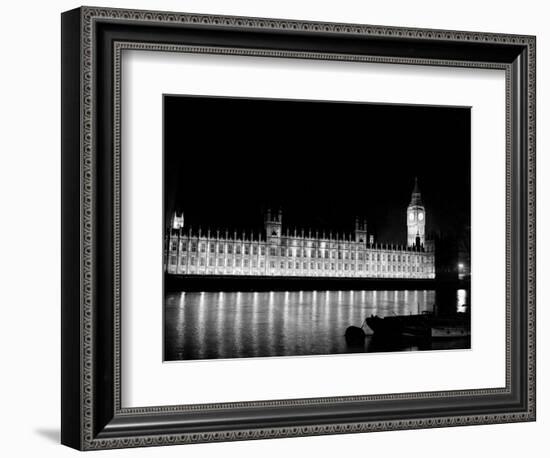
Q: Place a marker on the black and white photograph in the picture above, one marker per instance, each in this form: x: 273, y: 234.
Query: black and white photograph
x: 307, y: 227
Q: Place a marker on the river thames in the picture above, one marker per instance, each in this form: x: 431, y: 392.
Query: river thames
x: 289, y: 323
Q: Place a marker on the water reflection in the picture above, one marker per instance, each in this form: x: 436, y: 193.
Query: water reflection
x: 461, y: 299
x: 243, y: 324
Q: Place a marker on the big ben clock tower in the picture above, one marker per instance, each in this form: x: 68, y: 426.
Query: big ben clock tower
x: 416, y: 218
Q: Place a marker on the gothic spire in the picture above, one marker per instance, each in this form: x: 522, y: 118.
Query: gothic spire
x: 416, y: 198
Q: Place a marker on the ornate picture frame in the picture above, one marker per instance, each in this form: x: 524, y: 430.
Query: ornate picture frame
x: 93, y: 416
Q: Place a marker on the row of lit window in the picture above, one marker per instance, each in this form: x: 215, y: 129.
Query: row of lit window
x: 283, y: 242
x: 308, y: 253
x: 248, y: 248
x: 293, y: 265
x: 238, y: 249
x: 317, y: 244
x: 343, y: 255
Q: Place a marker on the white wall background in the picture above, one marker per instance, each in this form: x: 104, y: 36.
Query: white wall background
x: 30, y: 228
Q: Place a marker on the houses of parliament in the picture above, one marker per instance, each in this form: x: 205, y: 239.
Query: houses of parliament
x: 278, y: 252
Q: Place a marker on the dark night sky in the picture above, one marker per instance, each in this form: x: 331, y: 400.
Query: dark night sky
x: 227, y: 159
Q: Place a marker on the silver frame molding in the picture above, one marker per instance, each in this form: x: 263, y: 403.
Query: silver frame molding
x: 93, y: 40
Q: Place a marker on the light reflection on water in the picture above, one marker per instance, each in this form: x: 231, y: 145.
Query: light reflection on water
x: 461, y: 300
x: 258, y: 324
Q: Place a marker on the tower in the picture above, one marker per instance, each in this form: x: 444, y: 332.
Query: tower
x: 177, y: 221
x: 360, y: 230
x: 416, y: 218
x: 273, y: 225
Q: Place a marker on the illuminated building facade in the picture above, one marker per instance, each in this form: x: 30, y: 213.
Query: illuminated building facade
x: 278, y: 252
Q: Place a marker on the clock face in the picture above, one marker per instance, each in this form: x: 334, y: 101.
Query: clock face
x: 411, y: 216
x: 420, y: 216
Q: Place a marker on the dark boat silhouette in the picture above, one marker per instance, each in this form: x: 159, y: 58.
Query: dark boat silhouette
x: 423, y: 325
x: 355, y: 335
